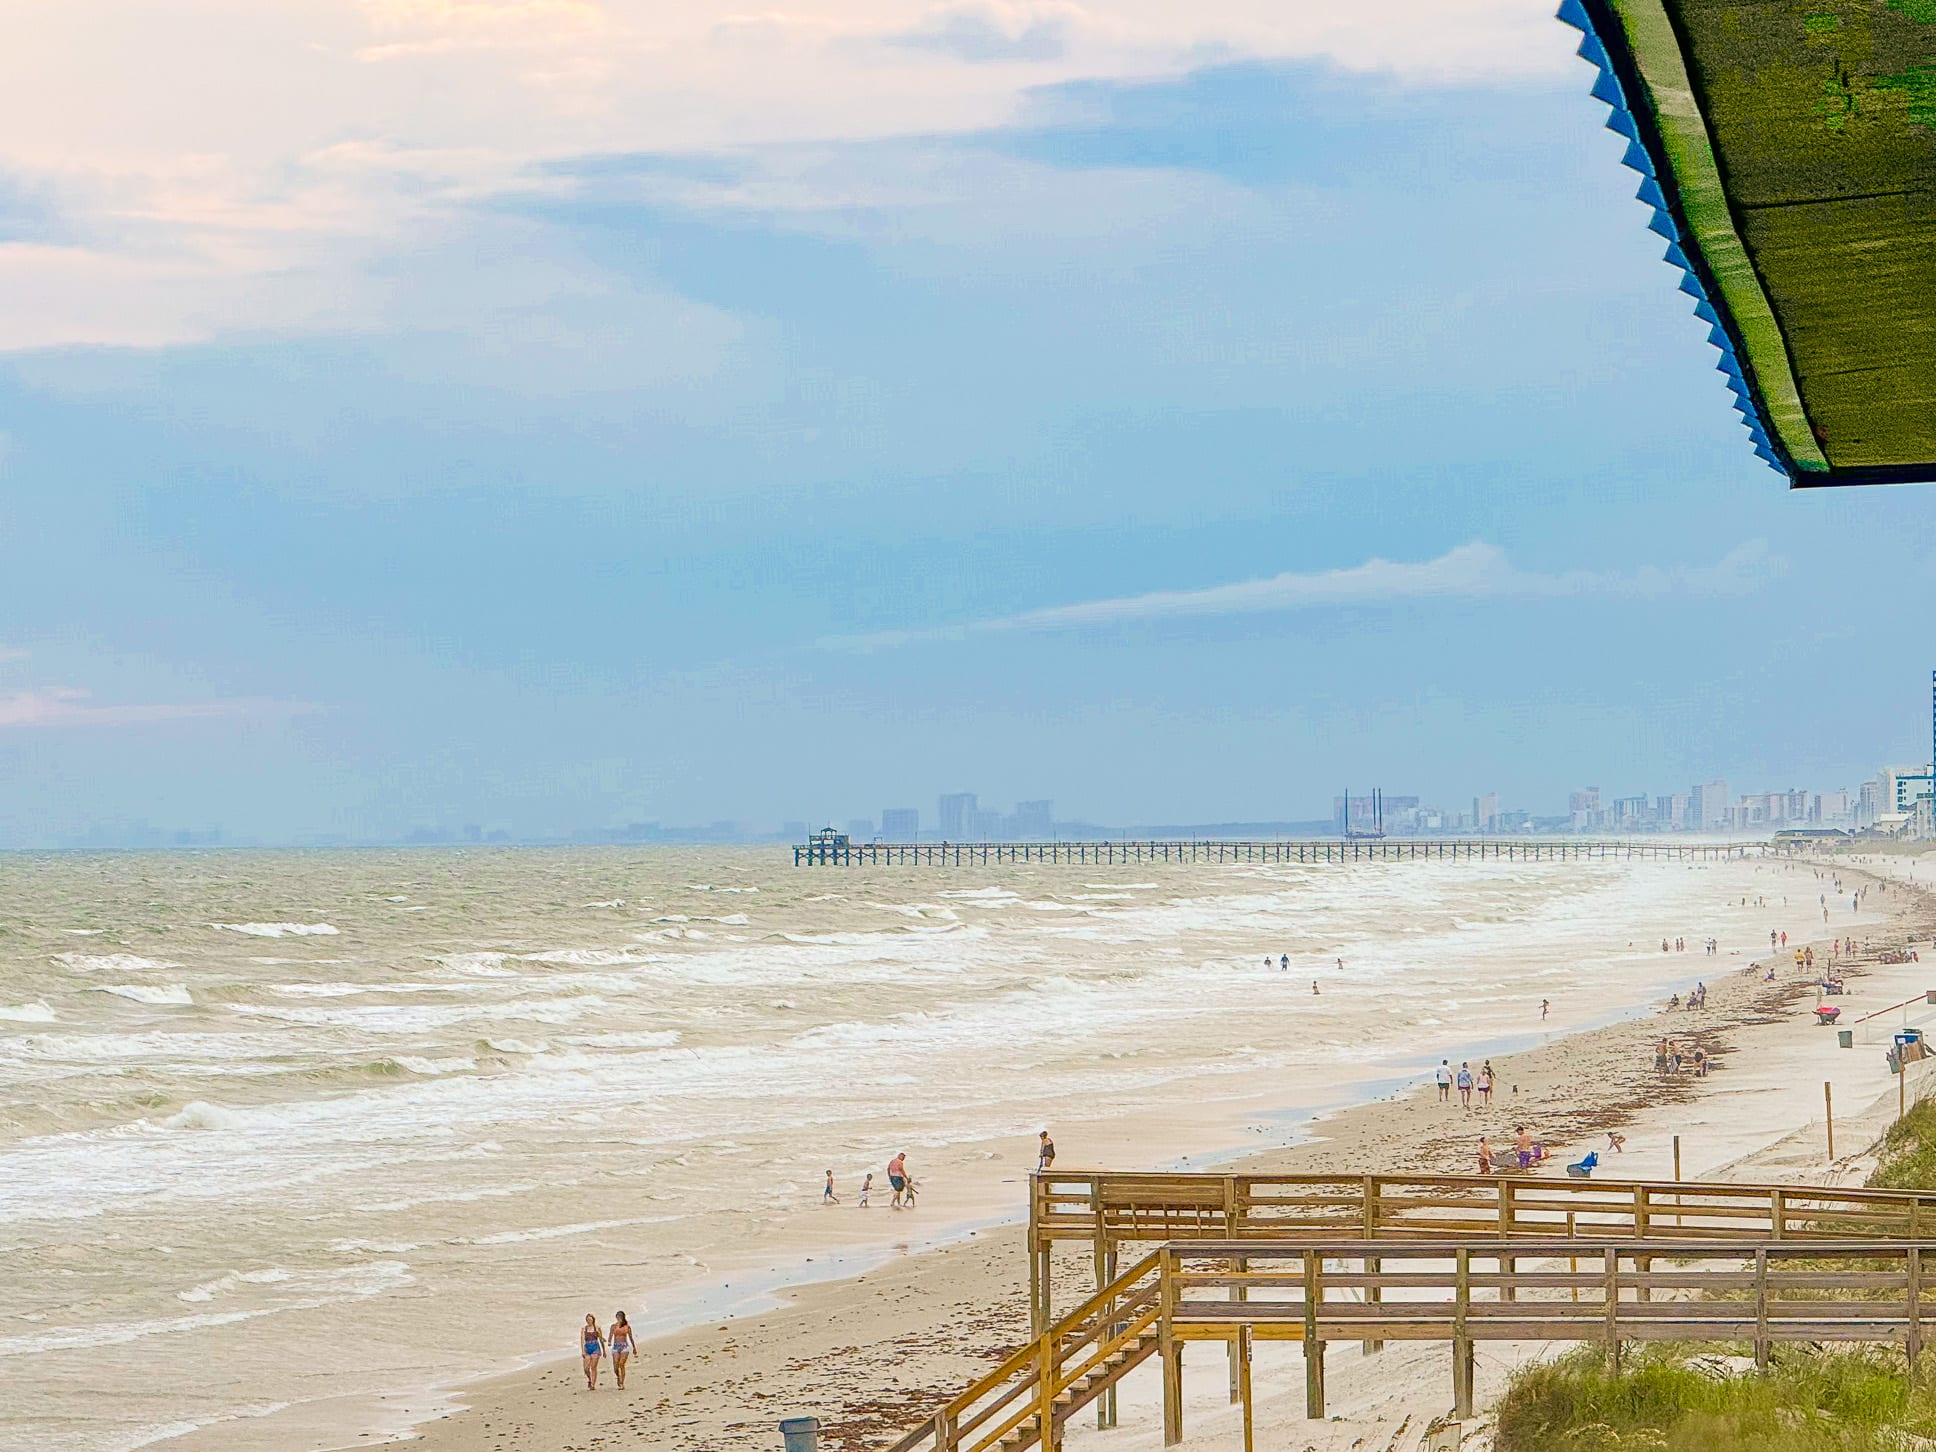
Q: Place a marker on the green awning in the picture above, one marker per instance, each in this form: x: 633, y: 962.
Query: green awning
x: 1788, y: 148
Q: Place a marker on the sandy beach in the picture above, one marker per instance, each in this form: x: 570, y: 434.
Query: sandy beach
x: 870, y: 1352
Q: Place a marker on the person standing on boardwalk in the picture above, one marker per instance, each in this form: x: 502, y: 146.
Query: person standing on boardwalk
x: 1444, y: 1076
x: 1045, y: 1153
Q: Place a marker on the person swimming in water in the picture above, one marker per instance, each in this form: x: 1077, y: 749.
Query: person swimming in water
x: 592, y: 1342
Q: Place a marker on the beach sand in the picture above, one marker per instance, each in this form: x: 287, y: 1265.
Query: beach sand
x: 872, y: 1353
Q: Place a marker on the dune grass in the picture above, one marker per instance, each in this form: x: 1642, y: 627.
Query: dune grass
x: 1677, y: 1399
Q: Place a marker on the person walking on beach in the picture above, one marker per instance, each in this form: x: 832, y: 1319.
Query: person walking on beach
x: 866, y: 1189
x: 897, y: 1177
x: 1465, y: 1086
x: 1284, y: 963
x: 1444, y: 1076
x: 1044, y: 1153
x: 827, y: 1196
x: 1485, y: 1083
x: 620, y: 1339
x: 592, y: 1343
x: 1545, y: 1007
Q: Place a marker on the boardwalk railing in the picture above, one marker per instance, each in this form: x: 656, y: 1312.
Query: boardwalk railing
x: 844, y: 852
x: 1108, y: 1209
x: 1460, y: 1290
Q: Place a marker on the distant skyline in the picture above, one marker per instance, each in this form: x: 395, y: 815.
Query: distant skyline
x: 545, y: 418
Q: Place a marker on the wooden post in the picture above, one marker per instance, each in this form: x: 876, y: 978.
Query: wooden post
x: 1313, y: 1348
x: 1572, y: 1261
x: 1045, y: 1395
x: 1612, y: 1293
x: 1243, y: 1361
x: 1105, y: 1273
x: 1761, y: 1310
x: 1171, y: 1350
x: 1677, y: 1180
x: 1373, y: 1264
x: 1037, y: 1323
x: 1461, y: 1342
x: 1239, y: 1364
x: 1507, y: 1212
x: 1912, y: 1341
x: 1828, y: 1110
x: 1902, y: 1081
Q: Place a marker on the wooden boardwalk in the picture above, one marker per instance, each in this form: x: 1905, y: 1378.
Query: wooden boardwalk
x: 1106, y: 1210
x: 842, y: 852
x: 1460, y: 1291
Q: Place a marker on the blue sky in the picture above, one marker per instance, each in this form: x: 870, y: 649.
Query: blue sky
x: 1013, y: 398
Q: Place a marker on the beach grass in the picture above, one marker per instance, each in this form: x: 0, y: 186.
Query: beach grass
x: 1698, y: 1399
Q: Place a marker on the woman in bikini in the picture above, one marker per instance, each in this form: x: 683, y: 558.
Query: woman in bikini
x: 620, y: 1340
x: 592, y: 1343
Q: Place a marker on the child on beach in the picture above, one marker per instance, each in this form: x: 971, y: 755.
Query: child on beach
x: 592, y: 1343
x: 827, y: 1196
x: 866, y: 1188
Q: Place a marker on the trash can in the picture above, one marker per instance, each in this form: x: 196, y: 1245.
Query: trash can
x: 802, y: 1433
x: 1845, y: 1037
x: 1929, y: 995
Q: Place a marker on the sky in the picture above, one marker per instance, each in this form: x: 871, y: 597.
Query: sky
x: 553, y: 414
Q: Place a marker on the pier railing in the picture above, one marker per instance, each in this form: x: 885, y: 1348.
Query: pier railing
x: 1460, y: 1290
x: 1108, y: 1209
x: 840, y: 852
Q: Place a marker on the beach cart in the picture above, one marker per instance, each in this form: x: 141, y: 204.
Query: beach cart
x: 1827, y: 1014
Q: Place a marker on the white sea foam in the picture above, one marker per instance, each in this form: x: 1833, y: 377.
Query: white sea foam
x: 586, y: 957
x: 173, y: 995
x: 110, y: 963
x: 202, y: 1115
x: 279, y: 930
x: 27, y: 1013
x: 984, y: 894
x: 478, y: 965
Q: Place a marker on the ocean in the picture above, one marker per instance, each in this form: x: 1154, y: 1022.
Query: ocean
x: 286, y: 1132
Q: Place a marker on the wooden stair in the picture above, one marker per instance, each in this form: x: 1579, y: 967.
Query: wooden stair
x: 1084, y: 1390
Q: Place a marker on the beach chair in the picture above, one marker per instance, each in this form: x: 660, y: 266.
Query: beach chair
x: 1583, y: 1169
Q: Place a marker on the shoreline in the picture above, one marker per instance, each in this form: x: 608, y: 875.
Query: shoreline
x: 790, y: 1309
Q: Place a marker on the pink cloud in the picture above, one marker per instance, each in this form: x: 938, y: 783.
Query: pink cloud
x: 66, y: 706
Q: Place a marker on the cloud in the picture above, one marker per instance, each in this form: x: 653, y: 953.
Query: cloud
x: 59, y: 706
x: 992, y: 32
x: 382, y: 130
x: 1475, y: 571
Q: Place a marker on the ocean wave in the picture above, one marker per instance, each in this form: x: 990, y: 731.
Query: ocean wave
x: 109, y: 963
x: 27, y: 1013
x: 279, y: 930
x: 478, y: 965
x: 982, y: 894
x: 585, y: 957
x: 172, y: 995
x: 199, y: 1114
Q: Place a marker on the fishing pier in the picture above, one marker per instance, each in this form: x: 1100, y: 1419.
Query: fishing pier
x: 835, y: 849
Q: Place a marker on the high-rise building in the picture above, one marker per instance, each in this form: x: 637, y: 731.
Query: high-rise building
x: 1032, y: 822
x: 956, y: 808
x: 1584, y: 808
x: 900, y: 824
x: 984, y: 824
x: 1485, y: 813
x: 1709, y: 809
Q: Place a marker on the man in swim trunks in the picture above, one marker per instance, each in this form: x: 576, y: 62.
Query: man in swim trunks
x: 1444, y: 1076
x: 1523, y: 1145
x: 897, y: 1177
